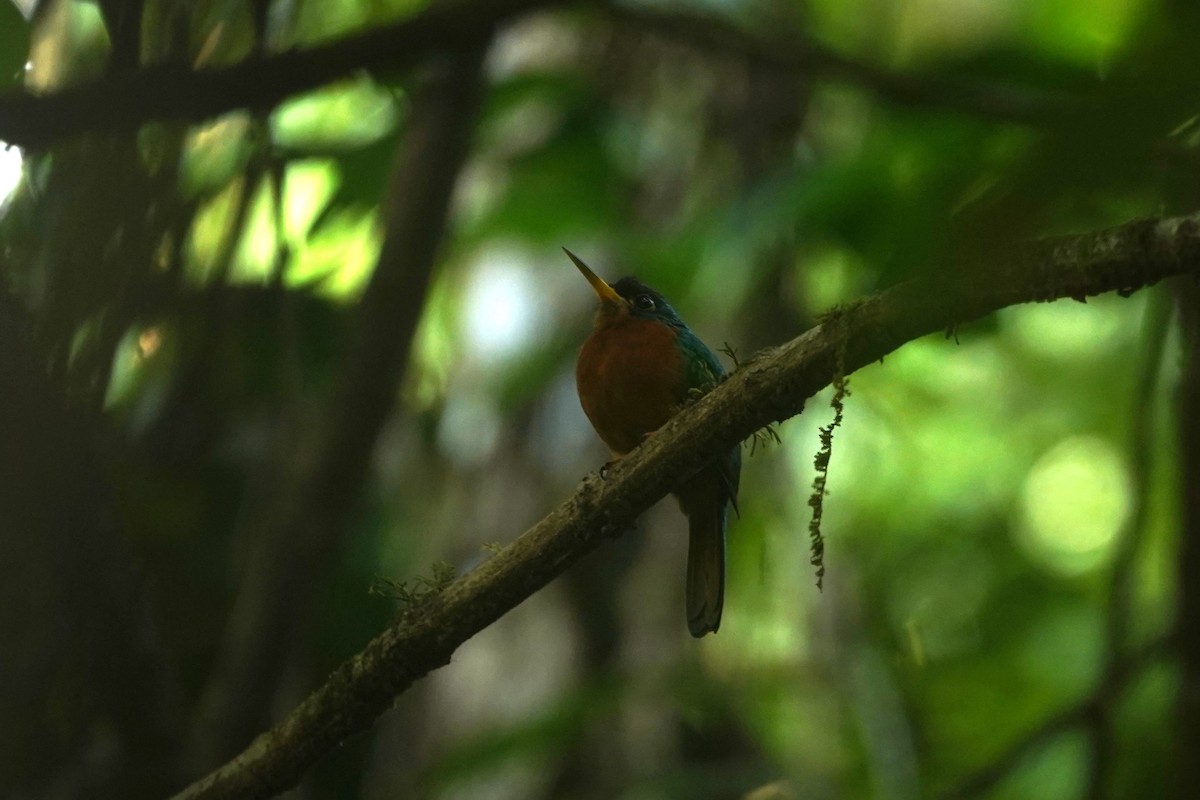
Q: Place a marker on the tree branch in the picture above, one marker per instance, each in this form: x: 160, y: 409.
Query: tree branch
x: 124, y: 101
x: 74, y: 595
x: 772, y: 387
x: 1130, y: 546
x: 806, y: 55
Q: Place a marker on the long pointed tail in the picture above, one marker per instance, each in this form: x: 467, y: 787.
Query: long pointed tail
x: 706, y: 565
x: 705, y: 500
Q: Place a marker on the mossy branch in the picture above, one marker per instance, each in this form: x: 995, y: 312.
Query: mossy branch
x: 771, y: 387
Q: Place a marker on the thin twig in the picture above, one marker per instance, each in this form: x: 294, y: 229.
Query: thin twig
x: 1130, y: 543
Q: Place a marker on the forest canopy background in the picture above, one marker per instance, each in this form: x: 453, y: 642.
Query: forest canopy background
x: 284, y: 317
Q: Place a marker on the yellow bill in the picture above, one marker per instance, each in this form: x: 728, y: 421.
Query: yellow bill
x: 607, y: 293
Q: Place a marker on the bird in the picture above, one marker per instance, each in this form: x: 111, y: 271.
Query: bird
x: 637, y: 368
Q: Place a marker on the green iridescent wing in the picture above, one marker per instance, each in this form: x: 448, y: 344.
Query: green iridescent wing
x: 701, y: 366
x: 703, y: 371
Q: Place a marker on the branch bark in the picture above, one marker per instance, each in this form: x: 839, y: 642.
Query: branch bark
x: 772, y: 387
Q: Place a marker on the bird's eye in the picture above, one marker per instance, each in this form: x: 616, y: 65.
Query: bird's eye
x: 644, y: 302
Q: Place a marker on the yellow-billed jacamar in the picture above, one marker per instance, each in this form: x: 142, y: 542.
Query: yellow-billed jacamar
x: 639, y: 366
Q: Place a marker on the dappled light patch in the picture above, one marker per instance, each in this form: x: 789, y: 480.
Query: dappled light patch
x: 1074, y: 504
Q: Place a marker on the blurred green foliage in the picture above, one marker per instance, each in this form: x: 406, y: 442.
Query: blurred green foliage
x: 14, y: 45
x: 190, y: 288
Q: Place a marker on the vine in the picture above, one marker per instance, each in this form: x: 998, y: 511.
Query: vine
x: 835, y: 323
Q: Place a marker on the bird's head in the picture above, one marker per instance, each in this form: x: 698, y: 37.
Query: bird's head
x: 627, y: 297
